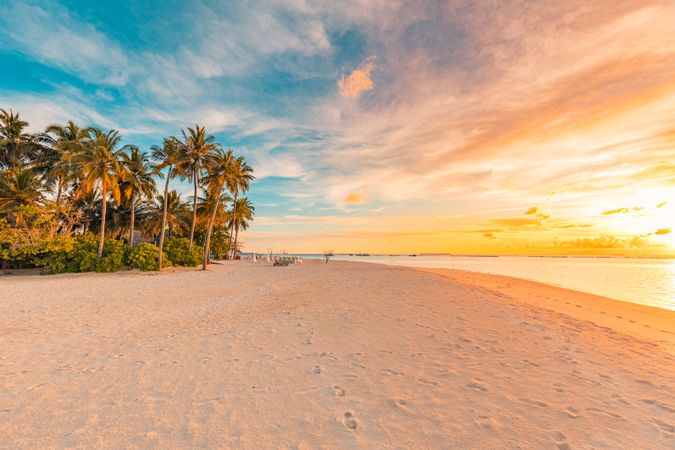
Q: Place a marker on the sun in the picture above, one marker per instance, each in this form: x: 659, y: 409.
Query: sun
x: 649, y: 214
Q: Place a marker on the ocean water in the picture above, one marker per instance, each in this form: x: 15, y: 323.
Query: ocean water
x: 637, y: 280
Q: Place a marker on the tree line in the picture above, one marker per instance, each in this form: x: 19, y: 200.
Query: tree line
x: 85, y: 181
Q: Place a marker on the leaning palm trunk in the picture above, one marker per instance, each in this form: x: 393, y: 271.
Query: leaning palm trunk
x: 207, y: 240
x: 103, y: 212
x: 133, y: 219
x: 236, y: 236
x: 194, y: 210
x: 164, y: 212
x: 230, y: 252
x: 59, y: 187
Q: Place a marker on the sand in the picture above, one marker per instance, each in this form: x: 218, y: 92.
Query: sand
x: 343, y: 355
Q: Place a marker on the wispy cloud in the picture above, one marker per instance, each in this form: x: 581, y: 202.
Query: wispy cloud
x: 477, y: 109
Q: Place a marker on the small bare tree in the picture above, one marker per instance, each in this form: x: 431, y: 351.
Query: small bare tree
x: 327, y: 254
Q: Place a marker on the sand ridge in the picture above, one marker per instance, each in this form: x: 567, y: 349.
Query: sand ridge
x: 344, y: 355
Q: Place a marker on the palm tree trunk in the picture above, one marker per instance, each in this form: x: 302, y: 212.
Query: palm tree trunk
x: 207, y: 240
x: 133, y: 218
x: 103, y: 211
x: 234, y: 214
x: 236, y: 235
x: 194, y: 209
x: 58, y: 192
x: 161, y: 233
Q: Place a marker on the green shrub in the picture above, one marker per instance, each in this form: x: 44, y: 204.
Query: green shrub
x: 57, y: 255
x: 80, y: 254
x: 113, y: 256
x: 142, y: 256
x: 176, y: 252
x: 23, y: 240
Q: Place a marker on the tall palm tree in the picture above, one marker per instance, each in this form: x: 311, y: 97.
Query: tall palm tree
x: 198, y: 148
x: 66, y: 143
x: 18, y: 187
x: 242, y: 213
x: 205, y: 208
x: 175, y: 218
x: 16, y: 146
x: 169, y: 156
x: 221, y: 168
x: 239, y: 181
x: 100, y: 165
x: 138, y: 183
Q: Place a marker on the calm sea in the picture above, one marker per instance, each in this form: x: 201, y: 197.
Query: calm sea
x: 637, y: 280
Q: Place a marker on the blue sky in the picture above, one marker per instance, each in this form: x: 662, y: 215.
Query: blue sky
x: 387, y: 126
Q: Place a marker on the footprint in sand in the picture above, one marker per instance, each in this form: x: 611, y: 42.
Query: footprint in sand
x: 477, y: 385
x: 428, y: 382
x: 534, y: 402
x: 572, y: 412
x: 560, y: 440
x: 349, y: 377
x: 664, y: 426
x: 339, y: 391
x: 350, y: 421
x: 619, y: 399
x: 487, y: 423
x: 659, y: 405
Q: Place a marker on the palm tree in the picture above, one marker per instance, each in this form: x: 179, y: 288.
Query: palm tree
x: 205, y: 208
x: 242, y: 213
x: 66, y: 143
x: 221, y: 168
x: 175, y: 217
x: 239, y: 181
x: 170, y: 156
x: 138, y: 183
x: 16, y: 147
x: 198, y: 148
x: 18, y: 187
x: 100, y: 164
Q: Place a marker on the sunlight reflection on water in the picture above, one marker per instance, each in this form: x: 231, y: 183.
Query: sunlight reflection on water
x: 637, y: 280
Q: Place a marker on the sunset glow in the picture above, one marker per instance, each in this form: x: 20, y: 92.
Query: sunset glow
x: 535, y: 127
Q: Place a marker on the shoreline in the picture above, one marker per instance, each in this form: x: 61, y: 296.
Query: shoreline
x: 635, y: 319
x: 655, y: 291
x: 325, y: 355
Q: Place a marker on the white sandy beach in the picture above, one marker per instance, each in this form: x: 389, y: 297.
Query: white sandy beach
x: 343, y: 355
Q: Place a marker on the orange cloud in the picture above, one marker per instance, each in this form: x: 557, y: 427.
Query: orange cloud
x: 604, y: 241
x: 354, y: 197
x: 616, y: 211
x: 662, y: 231
x: 533, y: 210
x: 661, y: 204
x: 576, y: 225
x: 516, y: 222
x: 358, y: 82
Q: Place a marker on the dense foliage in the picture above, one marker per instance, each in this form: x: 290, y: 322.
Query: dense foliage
x: 178, y: 253
x: 76, y: 199
x: 142, y: 256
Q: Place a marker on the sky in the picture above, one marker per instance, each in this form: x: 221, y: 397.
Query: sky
x: 385, y: 126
